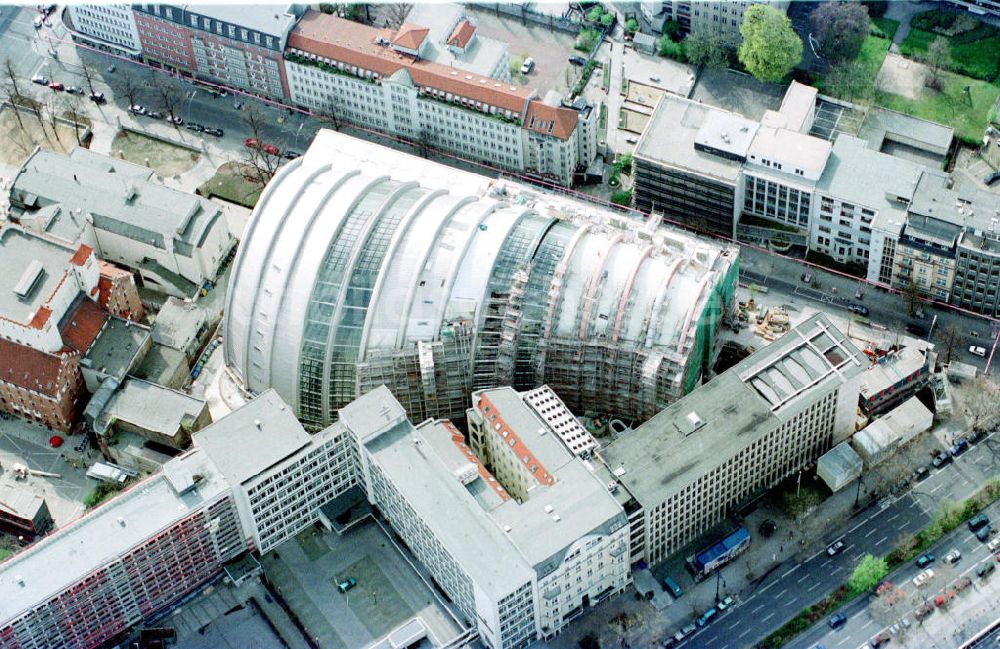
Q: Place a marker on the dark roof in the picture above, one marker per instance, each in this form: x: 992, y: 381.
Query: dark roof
x: 29, y: 368
x: 82, y: 323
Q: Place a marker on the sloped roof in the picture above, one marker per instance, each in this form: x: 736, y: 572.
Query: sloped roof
x: 462, y: 34
x: 410, y: 36
x: 29, y: 368
x: 550, y: 120
x: 81, y: 324
x: 356, y: 44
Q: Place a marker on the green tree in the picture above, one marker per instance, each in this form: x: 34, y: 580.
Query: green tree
x: 672, y: 50
x: 622, y: 197
x: 850, y: 80
x: 631, y: 25
x: 937, y: 59
x: 607, y: 19
x: 710, y: 48
x: 672, y: 29
x: 841, y: 28
x: 770, y: 47
x: 868, y: 573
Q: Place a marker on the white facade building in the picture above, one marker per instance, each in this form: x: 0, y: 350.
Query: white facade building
x: 518, y: 569
x: 108, y: 26
x: 379, y: 79
x: 174, y: 240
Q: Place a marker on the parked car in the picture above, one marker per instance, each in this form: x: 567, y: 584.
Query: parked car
x: 347, y: 584
x: 137, y: 109
x: 941, y: 459
x: 993, y: 545
x: 920, y: 473
x: 953, y: 557
x: 577, y: 60
x: 984, y: 534
x: 923, y: 578
x: 55, y: 85
x: 992, y: 178
x: 977, y: 350
x: 836, y: 547
x: 175, y: 120
x: 252, y: 143
x: 291, y: 155
x: 40, y: 80
x: 986, y: 569
x: 154, y: 114
x: 925, y: 560
x: 98, y: 98
x: 528, y: 65
x: 837, y: 620
x: 672, y: 587
x: 684, y: 632
x: 112, y: 68
x: 73, y: 90
x: 217, y: 132
x: 977, y: 521
x: 961, y: 446
x: 197, y: 128
x: 726, y: 602
x: 879, y: 640
x: 860, y: 309
x: 707, y: 616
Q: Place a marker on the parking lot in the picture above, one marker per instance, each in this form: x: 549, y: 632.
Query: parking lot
x: 550, y: 49
x: 389, y: 592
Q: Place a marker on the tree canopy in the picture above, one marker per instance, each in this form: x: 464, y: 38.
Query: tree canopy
x: 841, y: 28
x: 709, y: 47
x: 770, y: 47
x: 869, y: 572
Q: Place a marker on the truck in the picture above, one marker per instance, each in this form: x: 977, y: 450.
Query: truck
x: 108, y: 472
x: 721, y: 553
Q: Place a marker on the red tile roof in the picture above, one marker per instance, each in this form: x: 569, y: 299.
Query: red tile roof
x: 81, y: 255
x: 355, y: 44
x: 410, y: 36
x: 29, y: 368
x: 41, y: 316
x: 511, y: 439
x: 462, y: 34
x: 556, y: 121
x: 81, y: 326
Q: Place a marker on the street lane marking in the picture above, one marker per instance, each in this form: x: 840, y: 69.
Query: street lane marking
x: 813, y: 587
x: 754, y: 611
x: 937, y: 488
x: 867, y: 624
x: 778, y: 596
x: 871, y: 531
x: 789, y: 572
x: 882, y: 540
x: 768, y: 617
x: 846, y: 638
x: 894, y: 516
x: 744, y: 634
x: 804, y: 577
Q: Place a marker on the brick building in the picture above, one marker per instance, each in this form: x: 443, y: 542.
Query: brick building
x: 118, y: 293
x: 237, y: 45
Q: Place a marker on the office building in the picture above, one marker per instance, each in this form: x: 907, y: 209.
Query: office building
x: 108, y: 27
x: 518, y: 565
x: 124, y: 562
x: 363, y: 266
x: 453, y: 39
x: 239, y: 46
x: 174, y: 241
x: 772, y: 414
x: 399, y: 82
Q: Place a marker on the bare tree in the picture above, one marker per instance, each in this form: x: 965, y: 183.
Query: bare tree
x: 12, y: 97
x: 128, y: 85
x: 51, y: 109
x: 89, y: 74
x: 330, y: 111
x: 73, y: 105
x: 8, y: 68
x: 169, y: 98
x: 424, y: 142
x: 259, y: 166
x: 949, y: 338
x: 938, y: 58
x: 911, y: 297
x: 983, y: 403
x: 395, y: 14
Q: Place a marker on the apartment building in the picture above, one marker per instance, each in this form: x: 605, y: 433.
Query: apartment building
x: 279, y: 475
x: 695, y: 15
x: 239, y: 46
x: 550, y: 540
x: 126, y: 561
x: 453, y: 39
x: 383, y: 79
x: 172, y: 240
x: 774, y: 413
x: 108, y: 27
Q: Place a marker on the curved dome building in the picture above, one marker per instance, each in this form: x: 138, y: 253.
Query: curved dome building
x: 362, y: 265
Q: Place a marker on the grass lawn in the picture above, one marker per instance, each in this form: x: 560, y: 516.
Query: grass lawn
x: 974, y: 53
x: 951, y: 106
x: 229, y: 184
x: 887, y: 25
x: 872, y: 54
x: 165, y: 158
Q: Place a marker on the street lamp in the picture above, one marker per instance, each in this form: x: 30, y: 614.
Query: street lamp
x: 718, y: 580
x: 857, y: 494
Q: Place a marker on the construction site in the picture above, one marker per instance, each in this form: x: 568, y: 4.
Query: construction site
x: 437, y: 282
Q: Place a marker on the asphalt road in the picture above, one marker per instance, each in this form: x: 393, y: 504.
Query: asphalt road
x: 793, y: 586
x: 861, y: 625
